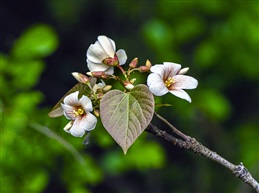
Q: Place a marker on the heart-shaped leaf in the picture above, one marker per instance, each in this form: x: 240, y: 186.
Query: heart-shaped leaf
x: 126, y: 115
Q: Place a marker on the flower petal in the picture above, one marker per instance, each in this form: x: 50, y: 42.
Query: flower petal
x: 171, y: 69
x: 68, y: 111
x: 159, y: 69
x: 86, y: 103
x: 184, y: 82
x: 108, y: 45
x: 122, y: 56
x: 156, y: 84
x: 97, y: 66
x: 72, y: 99
x: 181, y: 94
x: 96, y: 53
x: 82, y: 124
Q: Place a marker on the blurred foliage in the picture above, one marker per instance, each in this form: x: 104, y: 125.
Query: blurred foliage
x: 218, y: 40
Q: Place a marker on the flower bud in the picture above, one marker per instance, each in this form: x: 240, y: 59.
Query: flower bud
x: 148, y: 64
x: 68, y: 126
x: 80, y: 77
x: 97, y: 74
x: 96, y: 113
x: 128, y: 85
x: 107, y: 88
x: 183, y: 71
x: 144, y: 68
x: 133, y: 63
x: 133, y: 80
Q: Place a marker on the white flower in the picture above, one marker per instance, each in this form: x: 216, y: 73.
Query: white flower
x: 104, y: 48
x: 78, y: 111
x: 169, y: 78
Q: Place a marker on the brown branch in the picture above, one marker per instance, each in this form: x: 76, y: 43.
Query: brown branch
x: 193, y: 145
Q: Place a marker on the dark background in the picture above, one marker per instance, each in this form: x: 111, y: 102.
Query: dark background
x: 218, y: 40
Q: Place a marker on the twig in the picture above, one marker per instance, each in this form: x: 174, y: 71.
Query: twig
x: 192, y: 144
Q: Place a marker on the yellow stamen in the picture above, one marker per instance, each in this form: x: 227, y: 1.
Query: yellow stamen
x: 78, y: 112
x: 169, y: 81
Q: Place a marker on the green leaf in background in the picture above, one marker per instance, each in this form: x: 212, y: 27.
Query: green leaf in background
x: 37, y: 41
x: 126, y: 115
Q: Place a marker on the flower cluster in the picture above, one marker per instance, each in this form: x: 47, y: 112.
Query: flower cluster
x: 102, y: 58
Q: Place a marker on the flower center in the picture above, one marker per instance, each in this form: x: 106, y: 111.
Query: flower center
x: 78, y: 112
x: 169, y: 81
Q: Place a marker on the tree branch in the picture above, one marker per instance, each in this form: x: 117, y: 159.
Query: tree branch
x: 193, y: 145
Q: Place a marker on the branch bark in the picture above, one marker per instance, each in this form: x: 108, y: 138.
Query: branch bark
x: 193, y: 145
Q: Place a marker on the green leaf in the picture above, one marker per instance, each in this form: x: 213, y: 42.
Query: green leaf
x: 37, y: 41
x: 126, y: 115
x: 57, y: 109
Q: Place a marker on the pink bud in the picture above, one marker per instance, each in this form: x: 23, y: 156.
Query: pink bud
x: 133, y: 63
x: 80, y: 77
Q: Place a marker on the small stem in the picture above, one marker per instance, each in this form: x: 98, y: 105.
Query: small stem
x: 123, y: 72
x: 176, y: 131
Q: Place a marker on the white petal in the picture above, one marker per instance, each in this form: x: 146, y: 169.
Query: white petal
x: 156, y: 84
x: 184, y: 82
x: 86, y: 103
x: 72, y: 99
x: 68, y: 111
x: 159, y: 69
x: 107, y: 44
x: 97, y: 66
x: 171, y: 69
x: 122, y: 56
x: 77, y: 129
x: 181, y: 94
x: 95, y: 53
x: 109, y: 70
x: 90, y: 120
x: 82, y: 124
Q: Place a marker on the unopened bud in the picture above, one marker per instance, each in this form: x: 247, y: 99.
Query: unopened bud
x: 133, y: 80
x: 96, y: 74
x: 128, y: 85
x: 133, y: 63
x: 68, y: 126
x: 144, y: 68
x: 96, y: 113
x: 148, y: 64
x: 80, y: 77
x: 183, y: 71
x: 107, y: 88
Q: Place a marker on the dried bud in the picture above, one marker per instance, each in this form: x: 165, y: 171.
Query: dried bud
x: 148, y: 64
x: 133, y: 63
x: 80, y: 77
x: 183, y: 71
x: 144, y: 68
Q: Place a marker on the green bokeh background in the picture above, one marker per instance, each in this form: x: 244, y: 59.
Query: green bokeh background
x: 42, y: 42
